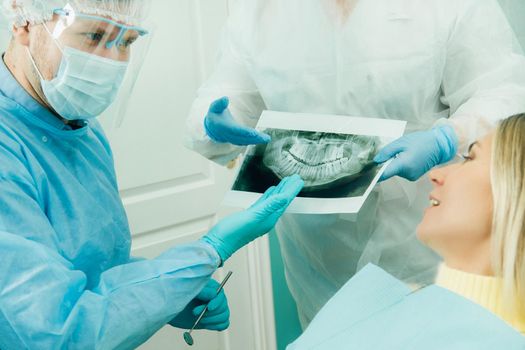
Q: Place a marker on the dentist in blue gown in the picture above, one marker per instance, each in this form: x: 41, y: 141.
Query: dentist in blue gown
x: 67, y: 278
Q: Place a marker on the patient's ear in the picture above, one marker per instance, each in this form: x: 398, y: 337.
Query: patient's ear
x: 21, y: 34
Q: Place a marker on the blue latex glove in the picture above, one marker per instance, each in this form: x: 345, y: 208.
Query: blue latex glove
x: 418, y: 152
x: 237, y: 230
x: 217, y: 318
x: 221, y: 127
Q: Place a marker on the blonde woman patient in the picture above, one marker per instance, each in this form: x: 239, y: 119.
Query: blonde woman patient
x: 476, y: 223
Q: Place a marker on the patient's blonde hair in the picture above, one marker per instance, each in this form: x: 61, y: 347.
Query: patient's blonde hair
x: 508, y: 231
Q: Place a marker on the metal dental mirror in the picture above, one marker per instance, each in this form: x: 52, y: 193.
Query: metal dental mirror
x: 187, y: 335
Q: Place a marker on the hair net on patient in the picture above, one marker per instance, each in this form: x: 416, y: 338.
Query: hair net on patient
x: 21, y: 12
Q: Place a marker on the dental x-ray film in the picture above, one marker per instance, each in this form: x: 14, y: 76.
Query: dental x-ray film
x: 332, y: 154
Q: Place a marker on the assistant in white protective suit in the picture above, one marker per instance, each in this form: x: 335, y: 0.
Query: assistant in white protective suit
x: 451, y: 65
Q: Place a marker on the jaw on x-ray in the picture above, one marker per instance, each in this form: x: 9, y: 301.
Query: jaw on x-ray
x: 321, y: 159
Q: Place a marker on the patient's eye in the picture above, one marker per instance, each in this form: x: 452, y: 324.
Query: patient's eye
x: 471, y: 153
x: 469, y: 156
x: 466, y: 158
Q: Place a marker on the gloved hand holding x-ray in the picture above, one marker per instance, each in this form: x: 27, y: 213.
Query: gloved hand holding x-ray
x: 416, y: 153
x: 221, y: 127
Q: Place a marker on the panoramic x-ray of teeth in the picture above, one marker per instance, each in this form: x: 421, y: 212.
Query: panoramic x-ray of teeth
x: 332, y: 165
x: 321, y: 159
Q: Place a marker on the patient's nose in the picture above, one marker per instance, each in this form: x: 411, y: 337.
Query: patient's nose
x: 437, y: 176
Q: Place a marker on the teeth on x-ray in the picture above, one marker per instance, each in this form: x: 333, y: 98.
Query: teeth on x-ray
x: 319, y: 158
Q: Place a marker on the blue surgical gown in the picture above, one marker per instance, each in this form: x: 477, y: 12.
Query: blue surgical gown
x: 67, y: 278
x: 375, y: 311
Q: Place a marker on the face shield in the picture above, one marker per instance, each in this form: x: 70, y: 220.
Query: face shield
x: 100, y: 60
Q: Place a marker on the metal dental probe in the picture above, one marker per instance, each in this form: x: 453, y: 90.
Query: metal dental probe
x: 187, y: 335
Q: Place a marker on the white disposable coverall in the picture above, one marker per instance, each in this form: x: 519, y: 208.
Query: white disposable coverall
x: 424, y: 61
x: 515, y: 10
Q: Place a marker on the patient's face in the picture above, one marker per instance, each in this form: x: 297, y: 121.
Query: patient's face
x: 458, y: 224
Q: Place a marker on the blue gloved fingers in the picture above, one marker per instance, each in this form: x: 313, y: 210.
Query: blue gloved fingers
x: 403, y: 166
x: 221, y: 127
x: 276, y: 204
x: 197, y: 311
x: 219, y: 327
x: 220, y: 309
x: 282, y: 184
x: 389, y: 151
x: 228, y: 131
x: 418, y: 152
x: 284, y: 194
x: 217, y: 126
x: 216, y: 302
x: 269, y: 192
x: 393, y: 169
x: 272, y: 191
x: 219, y: 301
x: 447, y: 139
x: 209, y: 291
x: 273, y: 200
x: 244, y: 136
x: 292, y: 187
x: 212, y: 284
x: 213, y: 319
x: 216, y: 316
x: 289, y: 189
x: 218, y: 106
x: 213, y: 322
x: 219, y: 322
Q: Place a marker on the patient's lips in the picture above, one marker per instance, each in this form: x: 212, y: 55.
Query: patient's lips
x: 319, y: 158
x: 434, y: 202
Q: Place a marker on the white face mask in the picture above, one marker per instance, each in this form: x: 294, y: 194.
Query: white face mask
x: 85, y: 85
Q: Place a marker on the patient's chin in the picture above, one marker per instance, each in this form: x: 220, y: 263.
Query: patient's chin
x: 432, y: 226
x: 436, y: 235
x: 425, y: 231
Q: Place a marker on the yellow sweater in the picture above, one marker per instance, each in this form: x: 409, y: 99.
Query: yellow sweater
x: 483, y: 290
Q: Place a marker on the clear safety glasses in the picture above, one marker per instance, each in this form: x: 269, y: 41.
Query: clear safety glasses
x: 96, y: 35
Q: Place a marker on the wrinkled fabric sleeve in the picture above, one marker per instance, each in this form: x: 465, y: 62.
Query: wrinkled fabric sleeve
x: 484, y: 76
x: 44, y: 300
x: 230, y: 78
x: 44, y: 303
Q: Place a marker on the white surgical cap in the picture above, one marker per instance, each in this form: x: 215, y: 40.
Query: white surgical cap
x: 21, y: 12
